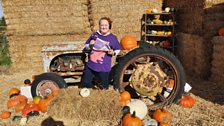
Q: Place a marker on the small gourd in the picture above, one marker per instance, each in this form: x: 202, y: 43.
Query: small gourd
x: 149, y: 122
x: 23, y: 121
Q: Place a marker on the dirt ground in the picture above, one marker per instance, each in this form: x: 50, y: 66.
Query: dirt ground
x: 208, y: 110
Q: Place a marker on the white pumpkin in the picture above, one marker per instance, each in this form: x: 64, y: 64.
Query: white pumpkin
x: 139, y: 107
x: 85, y: 92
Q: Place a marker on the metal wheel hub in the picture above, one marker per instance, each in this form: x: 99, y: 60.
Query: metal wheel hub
x: 148, y: 79
x: 46, y: 87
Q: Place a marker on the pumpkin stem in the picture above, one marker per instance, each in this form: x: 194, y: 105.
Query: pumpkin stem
x: 133, y: 115
x: 126, y: 110
x: 13, y: 95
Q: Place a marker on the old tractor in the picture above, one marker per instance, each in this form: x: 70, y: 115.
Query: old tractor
x: 150, y: 73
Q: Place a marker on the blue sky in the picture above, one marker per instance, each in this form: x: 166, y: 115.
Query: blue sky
x: 1, y: 13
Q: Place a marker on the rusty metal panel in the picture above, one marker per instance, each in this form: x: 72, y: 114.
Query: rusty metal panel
x: 50, y: 51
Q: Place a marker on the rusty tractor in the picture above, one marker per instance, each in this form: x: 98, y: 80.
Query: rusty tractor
x: 149, y: 73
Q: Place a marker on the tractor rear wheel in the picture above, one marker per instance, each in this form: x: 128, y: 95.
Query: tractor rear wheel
x: 152, y: 74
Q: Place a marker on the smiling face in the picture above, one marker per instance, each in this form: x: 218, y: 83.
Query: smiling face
x: 104, y: 27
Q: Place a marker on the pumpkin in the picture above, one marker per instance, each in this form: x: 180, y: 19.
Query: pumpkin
x: 37, y: 99
x: 162, y: 116
x: 5, y: 114
x: 128, y: 42
x: 164, y: 124
x: 221, y: 31
x: 85, y: 92
x: 131, y: 120
x: 139, y: 107
x: 13, y: 91
x: 55, y: 92
x: 12, y: 102
x: 169, y: 83
x: 44, y: 103
x: 187, y: 101
x: 31, y: 107
x: 125, y: 98
x: 19, y: 107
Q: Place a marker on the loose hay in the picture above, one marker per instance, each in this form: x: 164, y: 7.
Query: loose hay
x: 100, y: 105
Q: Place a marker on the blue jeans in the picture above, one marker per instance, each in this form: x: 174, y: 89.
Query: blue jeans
x: 89, y: 74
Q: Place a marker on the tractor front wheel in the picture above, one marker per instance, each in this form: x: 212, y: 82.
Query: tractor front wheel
x: 44, y: 84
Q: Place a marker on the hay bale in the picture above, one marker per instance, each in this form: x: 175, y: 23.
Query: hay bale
x: 217, y: 73
x: 100, y: 105
x: 126, y: 15
x: 27, y: 50
x: 192, y: 53
x: 31, y: 17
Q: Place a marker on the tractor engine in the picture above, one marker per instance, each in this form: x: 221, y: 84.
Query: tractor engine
x: 67, y: 63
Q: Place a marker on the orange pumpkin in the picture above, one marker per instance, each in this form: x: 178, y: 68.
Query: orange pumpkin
x: 131, y: 120
x: 125, y: 98
x: 170, y: 83
x: 128, y: 42
x: 55, y: 92
x: 12, y: 102
x: 31, y: 107
x: 19, y: 107
x: 164, y: 124
x: 162, y: 116
x: 187, y: 101
x: 221, y: 31
x: 5, y: 114
x: 14, y: 91
x: 43, y: 104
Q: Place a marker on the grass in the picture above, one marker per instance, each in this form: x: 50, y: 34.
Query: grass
x: 5, y: 59
x: 4, y: 52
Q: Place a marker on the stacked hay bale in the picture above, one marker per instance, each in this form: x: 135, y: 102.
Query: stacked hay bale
x: 218, y: 59
x: 126, y: 15
x: 190, y: 51
x: 197, y: 18
x: 34, y: 23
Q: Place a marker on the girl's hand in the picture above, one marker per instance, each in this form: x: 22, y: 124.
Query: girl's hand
x: 111, y: 52
x: 92, y: 42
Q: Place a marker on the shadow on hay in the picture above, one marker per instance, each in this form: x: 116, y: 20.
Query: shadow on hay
x: 51, y: 122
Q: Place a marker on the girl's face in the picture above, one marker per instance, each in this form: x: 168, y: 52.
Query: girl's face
x: 104, y: 27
